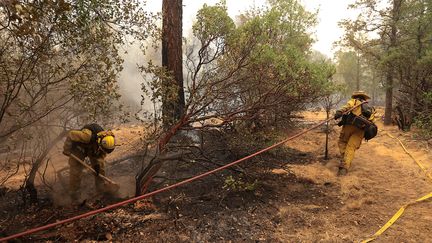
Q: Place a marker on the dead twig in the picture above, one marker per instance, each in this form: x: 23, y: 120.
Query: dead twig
x: 42, y: 175
x: 50, y: 217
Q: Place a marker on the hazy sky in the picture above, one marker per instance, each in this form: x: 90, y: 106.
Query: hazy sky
x: 326, y: 32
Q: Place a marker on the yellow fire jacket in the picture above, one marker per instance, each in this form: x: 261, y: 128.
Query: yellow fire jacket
x: 82, y: 140
x: 357, y: 111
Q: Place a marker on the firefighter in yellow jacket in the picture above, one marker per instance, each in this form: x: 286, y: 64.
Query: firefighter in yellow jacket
x: 352, y: 134
x: 91, y: 141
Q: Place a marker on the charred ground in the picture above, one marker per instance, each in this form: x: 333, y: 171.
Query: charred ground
x: 288, y: 194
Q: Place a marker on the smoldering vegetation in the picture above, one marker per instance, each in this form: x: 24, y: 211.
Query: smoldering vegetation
x: 59, y: 70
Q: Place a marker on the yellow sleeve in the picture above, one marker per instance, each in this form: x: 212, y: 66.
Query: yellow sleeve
x: 350, y: 104
x: 81, y: 136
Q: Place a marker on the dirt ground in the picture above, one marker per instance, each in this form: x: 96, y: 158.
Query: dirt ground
x: 296, y: 197
x: 382, y: 179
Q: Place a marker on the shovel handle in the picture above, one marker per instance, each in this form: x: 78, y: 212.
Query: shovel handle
x: 92, y: 170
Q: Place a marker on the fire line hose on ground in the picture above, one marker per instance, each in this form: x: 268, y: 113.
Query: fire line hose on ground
x: 412, y: 157
x: 399, y: 213
x: 134, y: 199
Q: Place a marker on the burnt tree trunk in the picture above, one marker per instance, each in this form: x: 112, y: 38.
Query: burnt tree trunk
x: 173, y: 100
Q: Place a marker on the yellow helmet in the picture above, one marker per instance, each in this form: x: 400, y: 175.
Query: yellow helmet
x: 106, y: 141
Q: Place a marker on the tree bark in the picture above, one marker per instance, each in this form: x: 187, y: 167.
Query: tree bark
x: 374, y: 88
x: 358, y: 72
x: 173, y: 100
x: 388, y: 98
x: 393, y: 42
x: 326, y: 157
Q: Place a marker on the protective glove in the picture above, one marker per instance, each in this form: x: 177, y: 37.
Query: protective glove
x: 338, y: 115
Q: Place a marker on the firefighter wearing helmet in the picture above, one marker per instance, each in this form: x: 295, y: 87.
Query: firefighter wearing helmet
x: 91, y: 141
x: 356, y: 125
